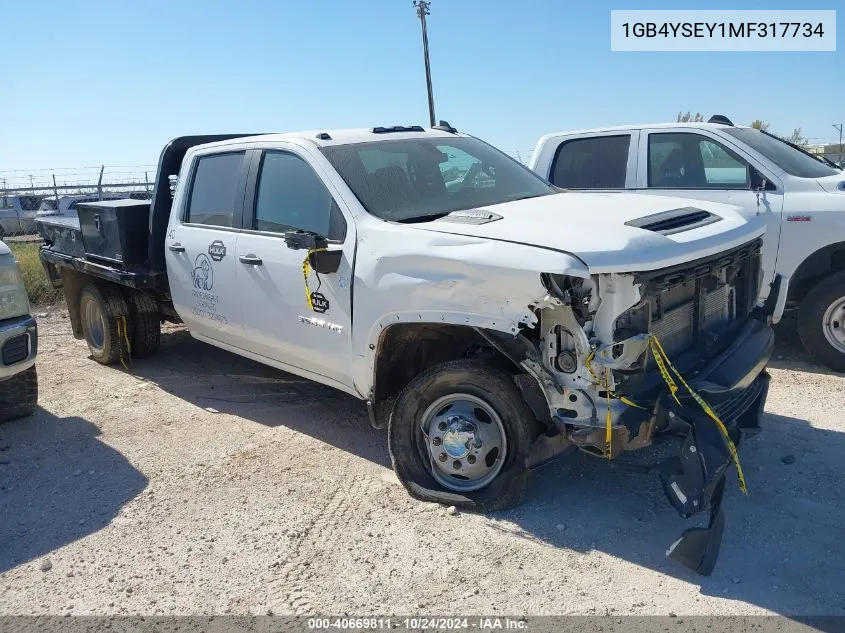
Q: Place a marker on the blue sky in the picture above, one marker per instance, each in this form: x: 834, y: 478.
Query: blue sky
x: 92, y: 82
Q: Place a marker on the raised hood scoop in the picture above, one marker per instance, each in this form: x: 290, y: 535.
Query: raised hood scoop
x: 675, y: 220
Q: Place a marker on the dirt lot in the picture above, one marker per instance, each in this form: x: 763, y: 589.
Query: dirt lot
x: 200, y: 483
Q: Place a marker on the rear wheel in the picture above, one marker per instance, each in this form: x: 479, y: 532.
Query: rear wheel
x: 19, y: 395
x: 460, y: 434
x: 145, y: 329
x: 106, y: 325
x: 821, y: 321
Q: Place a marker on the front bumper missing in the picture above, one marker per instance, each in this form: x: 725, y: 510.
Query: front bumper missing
x: 735, y: 385
x: 694, y: 480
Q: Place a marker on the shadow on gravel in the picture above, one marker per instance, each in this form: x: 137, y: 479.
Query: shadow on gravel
x: 213, y: 378
x: 790, y: 352
x: 784, y: 544
x: 58, y: 483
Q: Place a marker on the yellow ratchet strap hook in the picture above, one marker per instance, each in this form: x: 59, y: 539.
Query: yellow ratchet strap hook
x: 663, y: 362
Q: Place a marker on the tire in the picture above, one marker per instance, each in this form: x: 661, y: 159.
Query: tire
x: 145, y: 330
x: 19, y: 395
x: 101, y: 327
x: 821, y: 321
x: 410, y: 454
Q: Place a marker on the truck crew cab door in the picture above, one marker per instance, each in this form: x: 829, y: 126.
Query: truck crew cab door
x: 295, y: 316
x: 693, y: 163
x: 200, y: 247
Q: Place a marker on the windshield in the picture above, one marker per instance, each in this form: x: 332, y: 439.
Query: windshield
x: 414, y: 179
x: 792, y: 160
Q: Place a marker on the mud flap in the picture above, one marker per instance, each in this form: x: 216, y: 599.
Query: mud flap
x: 695, y: 482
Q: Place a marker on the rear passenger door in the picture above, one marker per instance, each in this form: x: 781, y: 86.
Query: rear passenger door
x: 597, y: 161
x: 294, y: 316
x: 200, y: 247
x: 700, y: 165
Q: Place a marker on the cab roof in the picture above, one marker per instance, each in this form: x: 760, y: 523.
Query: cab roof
x: 328, y: 138
x: 699, y: 125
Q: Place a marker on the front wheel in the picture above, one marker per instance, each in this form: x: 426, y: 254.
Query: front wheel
x: 460, y: 434
x: 821, y: 321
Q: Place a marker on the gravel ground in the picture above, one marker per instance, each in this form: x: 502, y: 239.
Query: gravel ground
x: 199, y: 482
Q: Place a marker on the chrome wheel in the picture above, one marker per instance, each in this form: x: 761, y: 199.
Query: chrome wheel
x: 833, y: 324
x: 466, y: 442
x: 95, y: 325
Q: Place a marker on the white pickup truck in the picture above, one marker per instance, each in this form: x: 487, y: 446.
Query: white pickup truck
x: 18, y: 343
x: 801, y: 196
x: 490, y: 321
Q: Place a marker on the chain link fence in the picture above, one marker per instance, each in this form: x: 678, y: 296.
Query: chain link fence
x: 28, y: 194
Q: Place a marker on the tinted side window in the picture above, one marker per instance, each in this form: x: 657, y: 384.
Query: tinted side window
x: 291, y: 196
x: 692, y: 161
x: 215, y: 188
x: 592, y: 163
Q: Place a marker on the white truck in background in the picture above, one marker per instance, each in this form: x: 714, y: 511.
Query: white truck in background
x: 66, y: 205
x: 17, y: 214
x: 801, y: 197
x: 18, y: 343
x: 490, y: 321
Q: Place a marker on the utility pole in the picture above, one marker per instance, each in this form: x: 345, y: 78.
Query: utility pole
x: 422, y: 7
x: 838, y: 126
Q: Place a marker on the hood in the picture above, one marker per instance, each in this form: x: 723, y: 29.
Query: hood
x: 612, y: 232
x: 834, y: 183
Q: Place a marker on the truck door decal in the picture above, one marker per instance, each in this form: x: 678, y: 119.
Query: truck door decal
x: 203, y: 274
x: 217, y: 250
x: 202, y: 280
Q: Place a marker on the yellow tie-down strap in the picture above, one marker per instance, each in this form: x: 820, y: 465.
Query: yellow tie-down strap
x: 667, y: 369
x: 125, y: 350
x: 306, y: 267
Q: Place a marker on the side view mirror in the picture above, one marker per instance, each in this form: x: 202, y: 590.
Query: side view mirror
x: 299, y: 240
x: 325, y: 262
x: 756, y: 180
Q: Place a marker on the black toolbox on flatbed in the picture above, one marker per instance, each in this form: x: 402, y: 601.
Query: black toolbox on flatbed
x: 115, y: 231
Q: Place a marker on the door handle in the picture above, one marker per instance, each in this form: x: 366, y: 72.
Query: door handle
x: 176, y: 247
x: 250, y: 259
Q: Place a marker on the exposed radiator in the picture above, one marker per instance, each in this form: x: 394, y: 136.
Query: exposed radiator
x: 682, y: 303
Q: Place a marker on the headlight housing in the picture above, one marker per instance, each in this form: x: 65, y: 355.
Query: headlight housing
x: 13, y: 299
